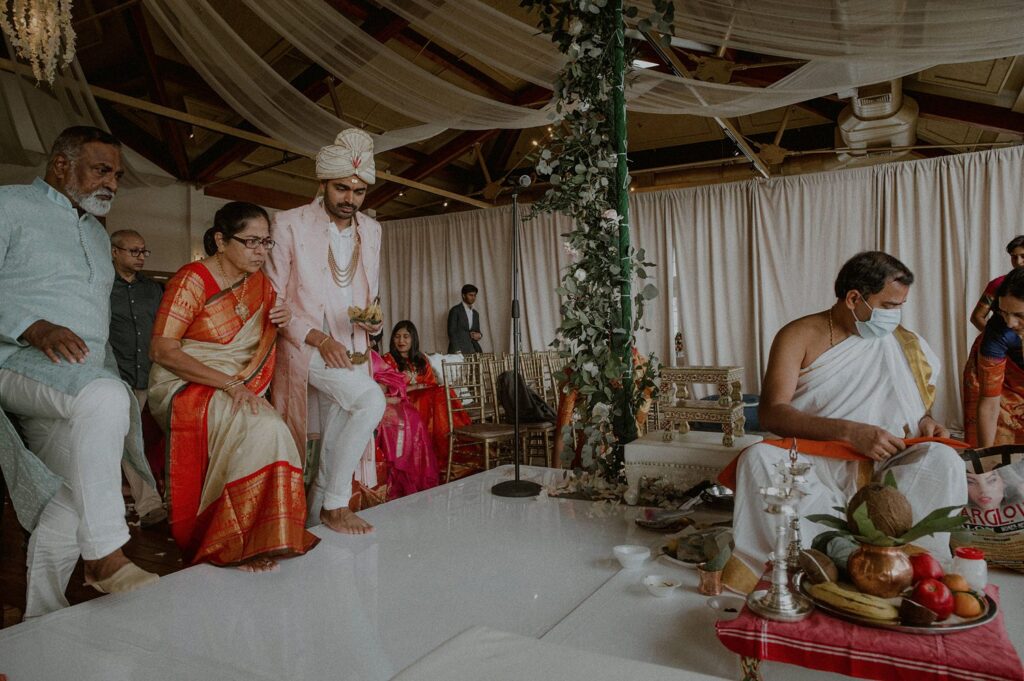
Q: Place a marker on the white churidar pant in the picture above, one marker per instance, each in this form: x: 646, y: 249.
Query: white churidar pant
x: 81, y: 439
x: 355, y: 405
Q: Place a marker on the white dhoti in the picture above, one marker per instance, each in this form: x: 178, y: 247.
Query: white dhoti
x: 80, y: 438
x: 930, y: 475
x: 867, y: 381
x: 354, y: 406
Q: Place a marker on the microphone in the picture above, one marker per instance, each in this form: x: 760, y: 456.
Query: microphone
x: 520, y: 183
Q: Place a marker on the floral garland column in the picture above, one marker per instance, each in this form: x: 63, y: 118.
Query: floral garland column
x: 585, y: 163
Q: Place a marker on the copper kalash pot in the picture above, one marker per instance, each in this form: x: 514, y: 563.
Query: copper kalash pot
x: 883, y: 571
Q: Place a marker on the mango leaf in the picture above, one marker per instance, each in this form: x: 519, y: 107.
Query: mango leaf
x: 820, y: 543
x: 884, y: 541
x: 829, y: 521
x: 890, y: 480
x: 867, y: 530
x: 938, y: 520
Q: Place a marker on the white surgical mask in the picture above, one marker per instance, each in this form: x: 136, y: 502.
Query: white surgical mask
x: 881, y: 323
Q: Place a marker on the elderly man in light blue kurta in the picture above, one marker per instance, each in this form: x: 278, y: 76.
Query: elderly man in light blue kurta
x: 57, y: 376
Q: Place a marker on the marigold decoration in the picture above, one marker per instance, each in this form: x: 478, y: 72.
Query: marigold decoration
x: 41, y: 34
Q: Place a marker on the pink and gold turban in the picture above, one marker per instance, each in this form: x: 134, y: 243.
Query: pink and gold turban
x: 351, y: 154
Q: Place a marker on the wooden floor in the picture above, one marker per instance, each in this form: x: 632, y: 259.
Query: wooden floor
x: 151, y: 549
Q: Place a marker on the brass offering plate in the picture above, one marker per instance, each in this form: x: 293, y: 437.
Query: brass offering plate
x: 949, y: 626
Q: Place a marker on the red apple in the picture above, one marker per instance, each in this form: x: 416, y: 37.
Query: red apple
x: 936, y: 596
x: 925, y: 567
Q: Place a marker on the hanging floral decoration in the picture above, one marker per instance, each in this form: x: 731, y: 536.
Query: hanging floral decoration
x: 41, y: 33
x: 579, y: 160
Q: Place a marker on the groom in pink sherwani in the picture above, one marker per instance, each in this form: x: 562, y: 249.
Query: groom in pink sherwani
x: 328, y: 259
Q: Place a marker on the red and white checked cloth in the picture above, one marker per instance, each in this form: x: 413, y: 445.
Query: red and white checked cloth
x: 830, y: 644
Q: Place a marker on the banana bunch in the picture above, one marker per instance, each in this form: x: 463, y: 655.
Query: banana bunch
x: 853, y: 602
x: 369, y: 315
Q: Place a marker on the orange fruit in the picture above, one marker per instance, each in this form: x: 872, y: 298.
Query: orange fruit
x: 956, y: 582
x: 967, y: 604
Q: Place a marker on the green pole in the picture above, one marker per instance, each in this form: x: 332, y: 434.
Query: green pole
x: 627, y: 428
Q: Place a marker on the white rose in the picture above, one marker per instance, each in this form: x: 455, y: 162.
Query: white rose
x: 580, y: 275
x: 610, y: 214
x: 601, y: 411
x: 575, y: 26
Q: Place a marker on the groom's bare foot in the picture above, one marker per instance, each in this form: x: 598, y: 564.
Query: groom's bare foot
x: 258, y: 564
x: 344, y: 521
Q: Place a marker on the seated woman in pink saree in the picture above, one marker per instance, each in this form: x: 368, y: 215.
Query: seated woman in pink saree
x: 403, y: 442
x: 421, y: 385
x: 235, y: 476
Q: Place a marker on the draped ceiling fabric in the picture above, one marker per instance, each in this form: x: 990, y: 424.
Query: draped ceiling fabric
x: 32, y: 116
x: 252, y: 88
x: 737, y: 261
x: 845, y: 45
x: 341, y: 47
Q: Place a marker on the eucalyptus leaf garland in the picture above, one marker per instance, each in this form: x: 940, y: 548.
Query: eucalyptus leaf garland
x: 579, y: 161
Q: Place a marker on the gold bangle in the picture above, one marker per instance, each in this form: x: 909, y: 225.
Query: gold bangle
x: 321, y: 343
x: 231, y: 384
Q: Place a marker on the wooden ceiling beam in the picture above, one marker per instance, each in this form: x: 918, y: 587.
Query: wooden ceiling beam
x: 138, y: 139
x: 434, y: 162
x: 983, y: 116
x: 234, y: 190
x: 502, y: 149
x: 172, y: 133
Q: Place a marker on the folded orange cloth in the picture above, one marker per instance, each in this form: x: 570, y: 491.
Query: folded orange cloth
x: 833, y: 449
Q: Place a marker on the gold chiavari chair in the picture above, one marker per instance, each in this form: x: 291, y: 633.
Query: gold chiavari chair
x: 467, y: 387
x: 537, y: 436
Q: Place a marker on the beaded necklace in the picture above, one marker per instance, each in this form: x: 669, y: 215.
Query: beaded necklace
x: 241, y: 309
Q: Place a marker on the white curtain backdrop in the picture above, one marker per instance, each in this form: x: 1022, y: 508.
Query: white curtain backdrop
x: 737, y: 261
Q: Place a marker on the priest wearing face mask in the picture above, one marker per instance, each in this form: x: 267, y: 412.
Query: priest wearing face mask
x: 856, y: 388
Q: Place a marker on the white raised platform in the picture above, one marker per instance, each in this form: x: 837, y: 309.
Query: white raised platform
x: 365, y: 608
x: 684, y: 461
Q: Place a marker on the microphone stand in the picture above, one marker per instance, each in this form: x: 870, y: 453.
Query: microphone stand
x: 516, y: 487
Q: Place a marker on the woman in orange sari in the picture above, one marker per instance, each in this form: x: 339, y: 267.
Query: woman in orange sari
x: 235, y: 476
x: 993, y: 387
x: 421, y: 386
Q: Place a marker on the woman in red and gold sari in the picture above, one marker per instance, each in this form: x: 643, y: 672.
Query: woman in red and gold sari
x: 421, y: 386
x: 235, y: 475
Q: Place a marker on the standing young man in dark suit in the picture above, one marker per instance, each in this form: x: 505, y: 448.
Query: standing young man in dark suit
x: 464, y: 324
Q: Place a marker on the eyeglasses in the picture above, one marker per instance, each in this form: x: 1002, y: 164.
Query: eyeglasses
x: 136, y: 252
x: 252, y: 242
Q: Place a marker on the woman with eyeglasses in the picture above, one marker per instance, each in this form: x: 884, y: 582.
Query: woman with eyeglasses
x: 993, y: 381
x: 234, y: 471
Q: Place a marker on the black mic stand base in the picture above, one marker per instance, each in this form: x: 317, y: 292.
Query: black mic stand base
x: 516, y: 488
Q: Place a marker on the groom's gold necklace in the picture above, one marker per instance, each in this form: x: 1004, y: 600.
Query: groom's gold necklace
x: 344, y: 277
x: 830, y: 327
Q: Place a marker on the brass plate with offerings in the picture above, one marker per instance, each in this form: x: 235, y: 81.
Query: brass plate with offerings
x: 953, y: 624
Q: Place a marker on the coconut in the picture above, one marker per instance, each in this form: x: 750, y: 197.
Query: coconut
x: 888, y: 509
x: 914, y: 614
x: 817, y: 566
